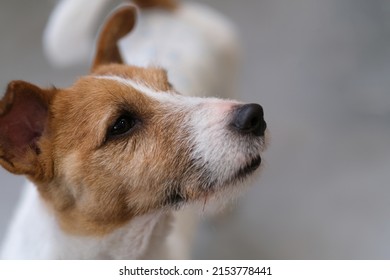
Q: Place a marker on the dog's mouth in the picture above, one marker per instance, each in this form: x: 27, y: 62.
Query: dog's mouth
x: 247, y: 169
x: 176, y: 197
x: 242, y: 173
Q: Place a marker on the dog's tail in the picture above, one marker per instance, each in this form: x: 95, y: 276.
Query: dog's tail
x: 70, y: 32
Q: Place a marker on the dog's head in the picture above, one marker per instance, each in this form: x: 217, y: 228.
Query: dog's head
x: 121, y: 142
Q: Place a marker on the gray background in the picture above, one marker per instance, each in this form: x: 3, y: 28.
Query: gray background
x: 321, y: 69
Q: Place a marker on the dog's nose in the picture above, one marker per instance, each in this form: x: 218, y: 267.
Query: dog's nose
x: 249, y: 118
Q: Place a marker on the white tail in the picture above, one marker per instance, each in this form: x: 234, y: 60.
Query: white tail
x: 69, y: 34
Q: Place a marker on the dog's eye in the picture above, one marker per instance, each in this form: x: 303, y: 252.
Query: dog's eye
x: 122, y: 125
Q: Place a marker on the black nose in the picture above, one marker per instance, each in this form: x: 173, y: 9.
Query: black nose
x: 249, y: 118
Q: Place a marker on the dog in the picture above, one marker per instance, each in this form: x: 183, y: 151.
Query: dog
x: 115, y: 160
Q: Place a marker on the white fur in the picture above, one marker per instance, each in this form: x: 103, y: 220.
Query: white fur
x: 29, y: 236
x: 168, y: 97
x: 68, y: 36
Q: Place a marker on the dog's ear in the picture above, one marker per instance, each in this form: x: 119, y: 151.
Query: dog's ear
x: 119, y: 23
x: 23, y: 118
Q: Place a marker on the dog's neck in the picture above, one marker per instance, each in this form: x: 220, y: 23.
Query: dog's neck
x: 44, y: 239
x: 134, y: 240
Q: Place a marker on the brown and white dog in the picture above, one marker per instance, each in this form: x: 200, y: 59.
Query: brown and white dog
x: 114, y: 159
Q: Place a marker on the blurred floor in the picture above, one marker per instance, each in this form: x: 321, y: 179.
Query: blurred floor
x: 320, y: 69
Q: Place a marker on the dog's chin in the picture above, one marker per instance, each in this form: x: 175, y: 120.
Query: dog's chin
x: 243, y: 173
x: 237, y: 182
x: 237, y: 177
x: 221, y: 194
x: 223, y: 189
x: 249, y: 168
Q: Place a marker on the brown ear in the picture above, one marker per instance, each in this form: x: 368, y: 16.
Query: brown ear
x: 23, y: 118
x: 119, y: 23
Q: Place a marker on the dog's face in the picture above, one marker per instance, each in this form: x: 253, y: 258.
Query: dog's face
x: 121, y: 143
